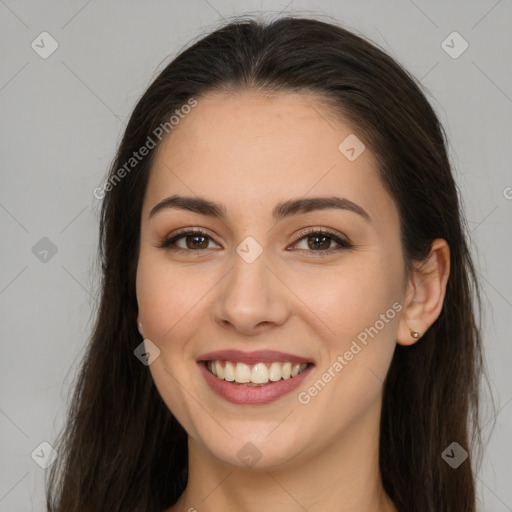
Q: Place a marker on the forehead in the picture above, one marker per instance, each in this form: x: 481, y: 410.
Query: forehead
x: 252, y: 149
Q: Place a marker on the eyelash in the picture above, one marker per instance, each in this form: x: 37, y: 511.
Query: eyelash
x: 167, y: 243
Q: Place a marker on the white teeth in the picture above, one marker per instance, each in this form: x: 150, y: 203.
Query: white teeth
x: 229, y: 372
x: 286, y: 370
x: 259, y: 374
x: 274, y: 373
x: 219, y: 370
x: 242, y: 373
x: 295, y: 370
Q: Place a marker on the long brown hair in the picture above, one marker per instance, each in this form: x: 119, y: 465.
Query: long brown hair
x: 121, y: 448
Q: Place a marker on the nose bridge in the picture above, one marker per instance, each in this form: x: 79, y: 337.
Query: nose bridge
x: 249, y: 279
x: 250, y: 294
x: 248, y: 285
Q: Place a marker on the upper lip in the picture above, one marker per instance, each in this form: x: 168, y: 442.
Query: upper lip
x: 258, y: 356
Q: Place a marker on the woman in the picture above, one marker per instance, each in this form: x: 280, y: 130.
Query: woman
x: 286, y: 320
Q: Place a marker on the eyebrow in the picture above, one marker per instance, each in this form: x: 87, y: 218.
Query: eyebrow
x: 280, y: 211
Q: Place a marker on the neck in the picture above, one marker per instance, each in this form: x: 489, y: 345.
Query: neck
x: 344, y: 477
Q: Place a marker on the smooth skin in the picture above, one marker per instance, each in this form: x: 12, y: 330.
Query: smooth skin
x: 250, y: 151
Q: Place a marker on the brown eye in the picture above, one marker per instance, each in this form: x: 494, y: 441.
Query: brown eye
x: 187, y: 241
x: 321, y: 241
x: 195, y: 241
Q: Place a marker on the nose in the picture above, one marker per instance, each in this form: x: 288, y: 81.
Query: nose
x: 251, y: 298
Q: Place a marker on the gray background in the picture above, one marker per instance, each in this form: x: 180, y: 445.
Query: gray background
x: 63, y: 116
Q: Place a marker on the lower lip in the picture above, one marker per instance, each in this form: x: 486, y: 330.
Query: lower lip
x: 251, y: 395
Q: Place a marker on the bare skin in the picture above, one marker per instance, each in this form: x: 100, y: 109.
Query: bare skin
x: 249, y: 152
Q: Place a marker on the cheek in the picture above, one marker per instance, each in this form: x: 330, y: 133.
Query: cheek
x: 169, y: 299
x: 353, y: 297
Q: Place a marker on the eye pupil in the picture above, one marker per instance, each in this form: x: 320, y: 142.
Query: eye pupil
x: 195, y: 245
x: 316, y: 241
x: 322, y: 244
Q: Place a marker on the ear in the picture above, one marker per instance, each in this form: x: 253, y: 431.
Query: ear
x: 139, y: 324
x: 425, y: 292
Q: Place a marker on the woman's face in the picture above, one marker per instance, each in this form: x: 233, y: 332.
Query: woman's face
x: 260, y: 277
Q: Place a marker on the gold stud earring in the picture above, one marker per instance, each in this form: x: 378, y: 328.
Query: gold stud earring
x: 415, y: 334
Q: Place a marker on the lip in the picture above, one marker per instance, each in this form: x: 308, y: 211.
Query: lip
x: 258, y: 356
x: 252, y: 395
